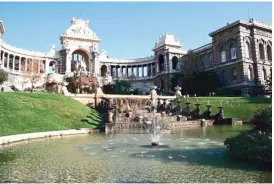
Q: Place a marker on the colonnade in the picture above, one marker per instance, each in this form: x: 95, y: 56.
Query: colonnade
x: 25, y: 64
x: 137, y: 71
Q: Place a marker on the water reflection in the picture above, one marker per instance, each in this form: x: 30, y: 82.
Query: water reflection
x: 194, y: 155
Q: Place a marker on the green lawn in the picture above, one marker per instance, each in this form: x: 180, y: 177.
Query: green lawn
x: 241, y: 108
x: 38, y: 112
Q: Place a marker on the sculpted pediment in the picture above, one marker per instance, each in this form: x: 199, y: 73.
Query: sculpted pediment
x: 79, y: 28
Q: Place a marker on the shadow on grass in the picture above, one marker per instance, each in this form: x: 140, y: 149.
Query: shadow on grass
x: 213, y: 157
x: 7, y: 156
x: 258, y: 100
x: 96, y: 120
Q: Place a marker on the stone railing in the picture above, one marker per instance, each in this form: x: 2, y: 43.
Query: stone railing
x: 99, y: 99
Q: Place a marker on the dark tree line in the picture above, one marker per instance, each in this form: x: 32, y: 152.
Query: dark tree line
x: 201, y: 83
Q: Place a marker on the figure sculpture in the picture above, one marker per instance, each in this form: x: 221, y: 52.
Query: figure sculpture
x: 81, y: 68
x: 154, y: 96
x: 178, y: 93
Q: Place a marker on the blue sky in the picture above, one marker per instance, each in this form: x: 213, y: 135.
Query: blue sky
x: 127, y: 29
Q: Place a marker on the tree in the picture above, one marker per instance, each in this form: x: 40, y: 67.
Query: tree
x: 122, y: 86
x: 268, y: 86
x: 201, y: 83
x: 3, y: 76
x: 33, y: 78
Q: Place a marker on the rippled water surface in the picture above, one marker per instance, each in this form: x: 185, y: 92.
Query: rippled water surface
x: 194, y: 155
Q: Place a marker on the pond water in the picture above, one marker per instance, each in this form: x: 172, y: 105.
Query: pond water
x: 193, y: 155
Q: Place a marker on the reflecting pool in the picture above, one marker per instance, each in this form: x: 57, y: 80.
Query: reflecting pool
x: 191, y: 155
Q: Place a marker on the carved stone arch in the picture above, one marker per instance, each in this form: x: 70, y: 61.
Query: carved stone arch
x: 250, y: 72
x: 247, y: 38
x: 222, y: 50
x: 264, y: 74
x: 175, y: 62
x: 232, y: 48
x: 83, y: 54
x: 261, y: 47
x: 262, y: 41
x: 269, y: 52
x: 161, y: 62
x: 247, y: 47
x: 104, y: 70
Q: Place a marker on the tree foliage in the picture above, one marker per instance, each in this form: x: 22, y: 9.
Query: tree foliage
x: 122, y: 86
x: 3, y: 76
x: 254, y: 146
x: 201, y: 83
x: 269, y: 83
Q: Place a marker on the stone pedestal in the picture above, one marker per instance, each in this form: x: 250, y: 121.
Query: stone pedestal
x: 187, y: 109
x: 109, y: 127
x: 203, y: 122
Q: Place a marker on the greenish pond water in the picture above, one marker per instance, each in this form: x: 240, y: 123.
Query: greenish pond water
x: 193, y: 155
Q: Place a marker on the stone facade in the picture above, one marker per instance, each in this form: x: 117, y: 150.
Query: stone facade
x: 240, y: 53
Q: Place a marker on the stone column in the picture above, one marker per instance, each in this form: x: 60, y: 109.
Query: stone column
x: 137, y: 71
x: 32, y: 61
x: 46, y: 66
x: 26, y: 65
x: 19, y: 65
x: 3, y: 59
x: 38, y: 66
x: 13, y: 62
x: 68, y: 61
x: 151, y: 70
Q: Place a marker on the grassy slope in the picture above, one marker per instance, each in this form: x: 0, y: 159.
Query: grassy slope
x: 37, y: 112
x: 241, y: 108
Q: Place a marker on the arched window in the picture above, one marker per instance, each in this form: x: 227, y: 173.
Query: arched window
x: 52, y: 67
x: 247, y: 50
x: 264, y: 74
x: 250, y: 74
x: 269, y: 53
x: 79, y: 56
x: 174, y: 63
x: 261, y: 50
x: 233, y: 54
x: 103, y: 71
x: 161, y: 61
x: 223, y: 54
x: 234, y: 74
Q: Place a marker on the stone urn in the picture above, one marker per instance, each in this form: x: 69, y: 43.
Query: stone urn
x: 130, y: 114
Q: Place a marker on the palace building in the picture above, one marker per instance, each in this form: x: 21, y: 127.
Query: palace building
x: 240, y: 52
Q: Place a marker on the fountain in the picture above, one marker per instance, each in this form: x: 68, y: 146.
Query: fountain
x: 155, y: 128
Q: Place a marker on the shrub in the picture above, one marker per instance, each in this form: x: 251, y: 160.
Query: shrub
x: 262, y: 119
x: 251, y: 146
x: 254, y: 146
x: 3, y: 76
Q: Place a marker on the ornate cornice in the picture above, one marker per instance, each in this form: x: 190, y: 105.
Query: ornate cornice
x: 2, y: 29
x: 15, y: 50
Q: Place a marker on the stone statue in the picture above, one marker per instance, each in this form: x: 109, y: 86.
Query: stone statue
x: 178, y: 93
x: 64, y: 89
x: 154, y: 96
x: 81, y: 68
